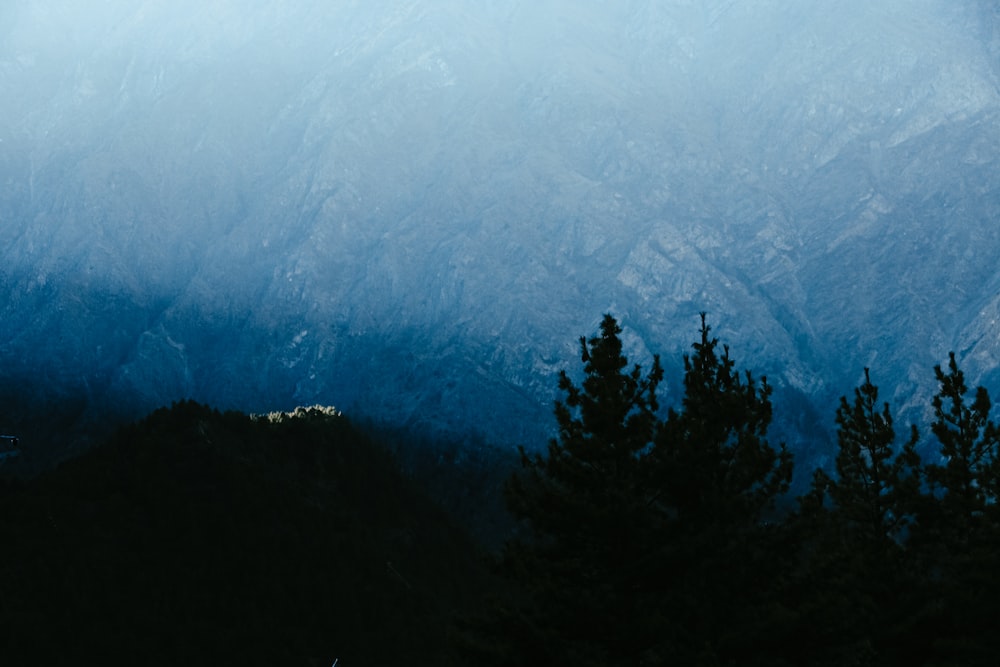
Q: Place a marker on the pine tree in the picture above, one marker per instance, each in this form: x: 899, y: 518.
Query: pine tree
x: 586, y: 505
x: 648, y: 537
x: 875, y: 487
x: 856, y: 587
x: 967, y: 480
x: 717, y: 559
x: 958, y: 534
x: 715, y: 462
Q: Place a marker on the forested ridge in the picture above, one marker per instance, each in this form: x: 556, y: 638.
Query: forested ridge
x: 200, y: 537
x: 643, y: 534
x: 657, y: 539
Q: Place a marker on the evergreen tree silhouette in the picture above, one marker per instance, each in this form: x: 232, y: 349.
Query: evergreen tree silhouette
x: 860, y: 590
x: 714, y: 461
x: 588, y: 510
x: 875, y: 486
x: 649, y: 541
x: 967, y: 479
x: 958, y: 532
x: 717, y: 476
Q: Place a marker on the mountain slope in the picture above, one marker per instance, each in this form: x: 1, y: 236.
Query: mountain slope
x: 413, y: 211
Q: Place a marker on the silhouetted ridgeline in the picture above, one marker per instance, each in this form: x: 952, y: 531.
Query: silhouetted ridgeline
x: 646, y: 534
x: 195, y: 537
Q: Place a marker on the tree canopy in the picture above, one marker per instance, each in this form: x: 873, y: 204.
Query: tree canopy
x: 647, y: 534
x: 631, y: 509
x: 653, y: 536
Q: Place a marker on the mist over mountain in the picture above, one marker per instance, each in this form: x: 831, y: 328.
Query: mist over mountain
x: 412, y: 211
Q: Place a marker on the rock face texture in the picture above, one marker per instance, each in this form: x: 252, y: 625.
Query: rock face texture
x: 413, y: 211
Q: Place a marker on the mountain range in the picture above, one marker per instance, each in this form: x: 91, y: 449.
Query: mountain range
x: 412, y: 210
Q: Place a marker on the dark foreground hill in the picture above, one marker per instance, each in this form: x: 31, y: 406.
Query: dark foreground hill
x: 196, y: 537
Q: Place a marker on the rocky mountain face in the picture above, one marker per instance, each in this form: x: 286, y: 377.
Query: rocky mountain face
x: 413, y: 210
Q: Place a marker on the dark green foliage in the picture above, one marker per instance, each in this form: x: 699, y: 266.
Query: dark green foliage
x: 196, y: 537
x: 716, y: 475
x: 642, y: 527
x: 645, y: 537
x: 854, y: 576
x: 967, y: 480
x: 958, y: 534
x: 604, y: 429
x: 655, y: 540
x: 875, y: 488
x: 465, y: 475
x: 585, y: 504
x: 899, y: 558
x: 713, y: 458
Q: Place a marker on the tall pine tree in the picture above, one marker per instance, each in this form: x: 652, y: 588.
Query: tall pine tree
x: 717, y: 476
x: 958, y: 533
x: 855, y: 589
x: 715, y: 463
x: 966, y: 479
x: 587, y: 508
x: 648, y: 537
x: 875, y: 487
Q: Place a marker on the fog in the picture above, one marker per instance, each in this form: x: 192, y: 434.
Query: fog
x: 414, y: 209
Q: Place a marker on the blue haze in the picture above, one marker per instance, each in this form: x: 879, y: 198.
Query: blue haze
x: 412, y: 209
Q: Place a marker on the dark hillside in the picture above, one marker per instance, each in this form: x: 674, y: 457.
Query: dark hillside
x: 206, y: 538
x: 466, y: 476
